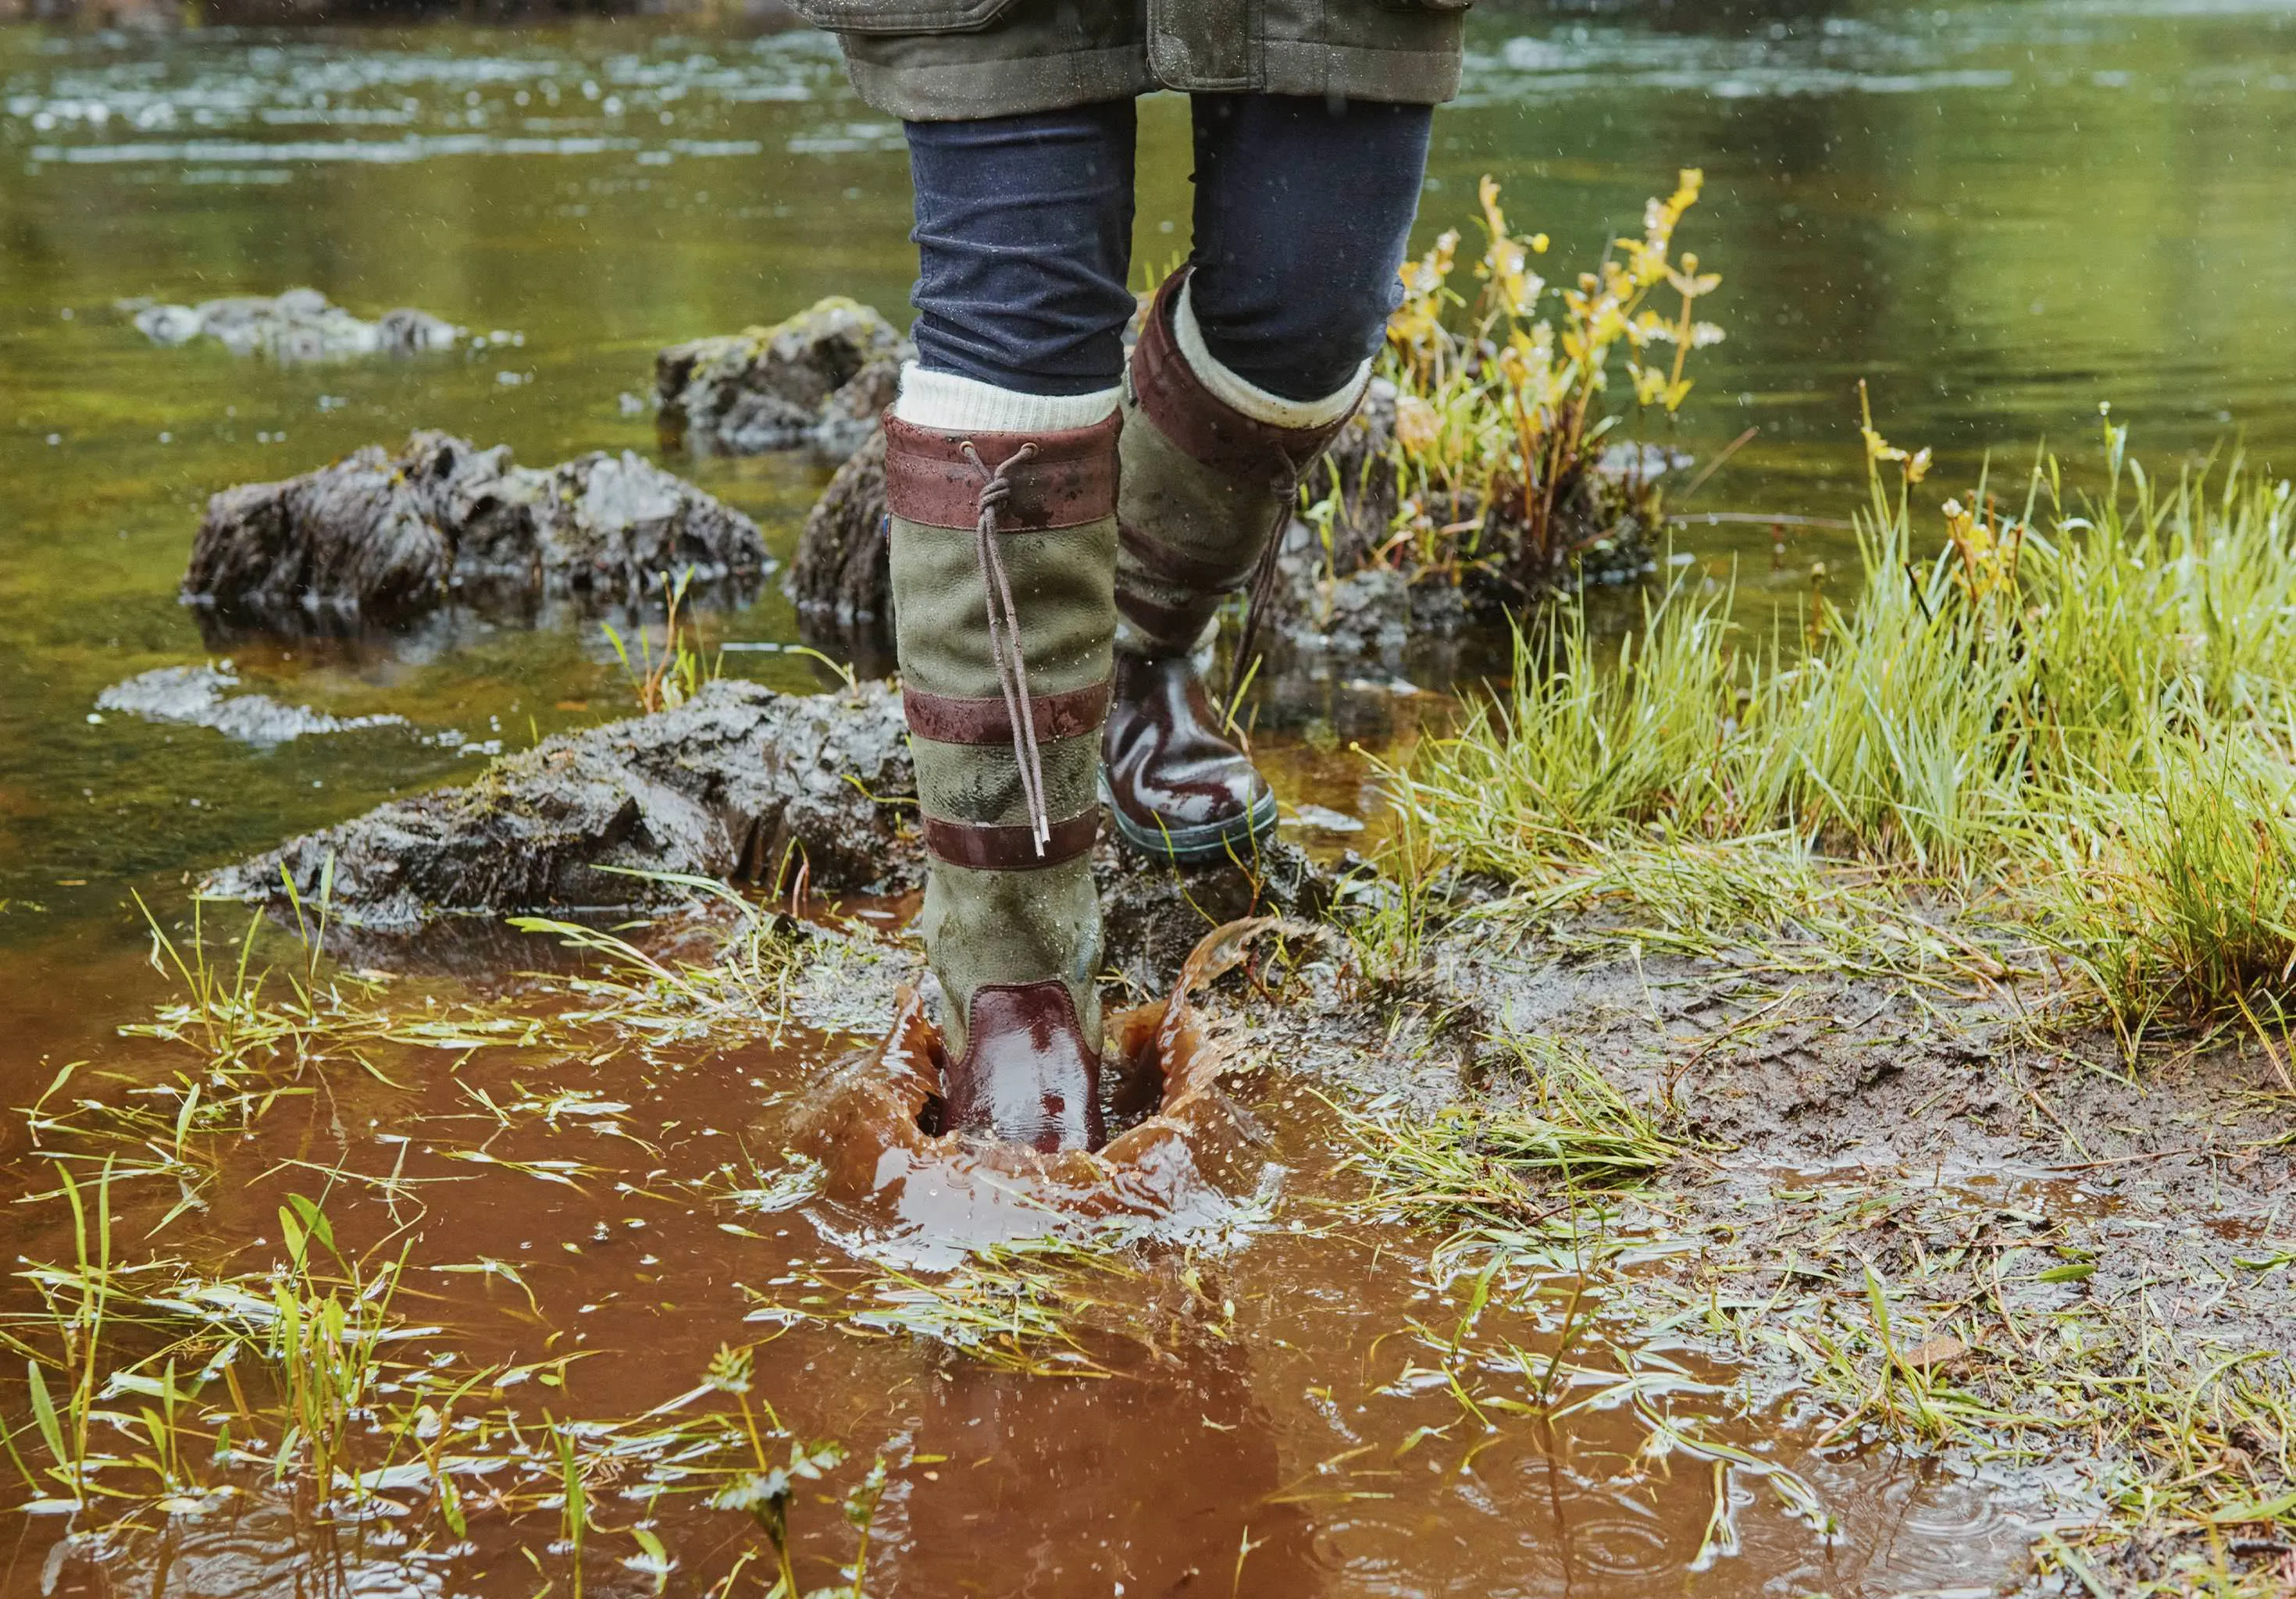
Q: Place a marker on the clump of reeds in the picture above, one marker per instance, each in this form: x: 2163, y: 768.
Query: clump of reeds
x: 1501, y: 417
x: 1490, y: 1170
x: 2188, y: 907
x: 2090, y: 703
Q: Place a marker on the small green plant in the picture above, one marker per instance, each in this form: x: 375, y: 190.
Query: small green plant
x: 765, y: 1493
x: 665, y: 676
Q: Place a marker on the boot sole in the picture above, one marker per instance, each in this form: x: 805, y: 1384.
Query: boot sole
x: 1194, y: 846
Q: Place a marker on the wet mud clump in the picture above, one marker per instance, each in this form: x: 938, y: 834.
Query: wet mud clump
x: 379, y: 537
x: 301, y: 326
x: 738, y: 783
x: 818, y: 381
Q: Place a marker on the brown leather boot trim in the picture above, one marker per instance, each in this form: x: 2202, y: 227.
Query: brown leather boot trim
x: 991, y: 846
x: 1180, y: 626
x: 1179, y: 566
x: 1069, y: 481
x: 1199, y: 422
x: 946, y: 720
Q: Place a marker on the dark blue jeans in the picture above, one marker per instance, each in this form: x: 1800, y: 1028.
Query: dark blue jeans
x: 1024, y: 238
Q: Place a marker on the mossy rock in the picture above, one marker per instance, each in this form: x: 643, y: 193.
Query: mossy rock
x: 817, y: 379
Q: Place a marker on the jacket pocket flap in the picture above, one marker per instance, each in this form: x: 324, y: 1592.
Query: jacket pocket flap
x: 901, y: 16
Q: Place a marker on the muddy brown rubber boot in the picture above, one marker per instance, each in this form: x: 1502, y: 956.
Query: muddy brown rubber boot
x: 1003, y: 544
x: 1205, y: 492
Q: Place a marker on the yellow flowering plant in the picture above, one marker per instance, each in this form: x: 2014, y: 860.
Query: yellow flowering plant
x: 1497, y: 429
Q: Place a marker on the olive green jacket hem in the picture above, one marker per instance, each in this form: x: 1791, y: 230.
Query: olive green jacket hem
x: 966, y: 91
x: 946, y: 61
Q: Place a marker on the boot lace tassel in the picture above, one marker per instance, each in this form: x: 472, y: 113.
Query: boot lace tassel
x: 1004, y: 635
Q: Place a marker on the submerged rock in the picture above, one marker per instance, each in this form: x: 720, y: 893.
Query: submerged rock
x: 818, y: 379
x: 197, y: 696
x: 739, y: 783
x: 298, y: 325
x: 380, y: 536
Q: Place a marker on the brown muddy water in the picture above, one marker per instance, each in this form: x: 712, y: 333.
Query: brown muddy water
x: 2002, y: 214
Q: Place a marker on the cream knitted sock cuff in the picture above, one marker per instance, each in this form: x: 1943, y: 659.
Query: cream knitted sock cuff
x: 1248, y: 397
x: 960, y: 405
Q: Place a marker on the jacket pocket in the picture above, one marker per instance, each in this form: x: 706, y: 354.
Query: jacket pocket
x: 901, y: 16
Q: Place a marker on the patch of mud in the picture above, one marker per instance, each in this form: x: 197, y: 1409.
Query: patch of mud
x: 2038, y: 1211
x: 379, y: 537
x: 199, y: 696
x: 818, y: 381
x: 298, y: 326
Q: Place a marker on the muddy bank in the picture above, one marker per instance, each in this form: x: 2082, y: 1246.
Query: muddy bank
x: 381, y: 537
x: 1349, y: 587
x: 300, y: 325
x: 1935, y: 1206
x: 791, y: 791
x: 817, y: 380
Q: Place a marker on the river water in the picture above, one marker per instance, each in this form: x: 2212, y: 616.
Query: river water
x: 2001, y: 215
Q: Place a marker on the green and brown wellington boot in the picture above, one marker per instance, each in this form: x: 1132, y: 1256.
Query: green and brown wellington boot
x: 1002, y: 545
x: 1212, y: 467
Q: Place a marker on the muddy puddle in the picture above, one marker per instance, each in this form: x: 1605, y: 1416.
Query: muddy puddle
x: 1225, y: 1359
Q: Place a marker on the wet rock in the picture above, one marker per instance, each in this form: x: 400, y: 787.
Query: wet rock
x: 380, y: 536
x: 298, y: 327
x: 818, y: 380
x: 198, y: 696
x: 1373, y: 613
x: 843, y: 573
x: 739, y: 783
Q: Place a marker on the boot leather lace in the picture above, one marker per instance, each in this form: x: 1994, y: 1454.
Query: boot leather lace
x: 1285, y: 479
x: 1004, y: 635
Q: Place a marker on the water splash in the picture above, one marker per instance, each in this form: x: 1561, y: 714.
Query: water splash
x: 1185, y: 1159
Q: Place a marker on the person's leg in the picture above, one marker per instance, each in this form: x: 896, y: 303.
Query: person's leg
x: 1000, y: 479
x: 1303, y: 212
x: 1252, y: 358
